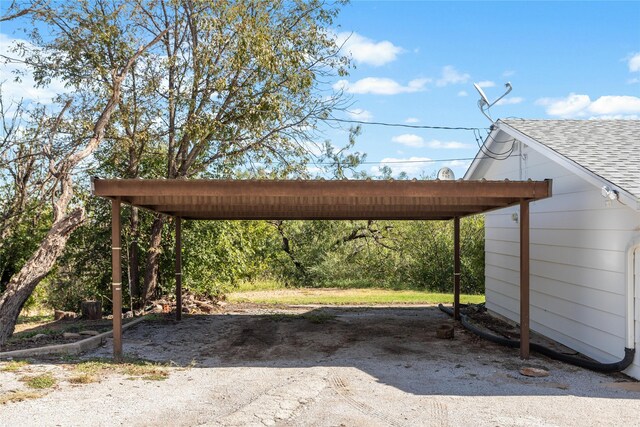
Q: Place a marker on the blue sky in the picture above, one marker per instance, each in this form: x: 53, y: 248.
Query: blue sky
x: 416, y: 62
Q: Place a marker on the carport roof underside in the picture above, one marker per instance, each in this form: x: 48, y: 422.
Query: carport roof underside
x: 320, y: 199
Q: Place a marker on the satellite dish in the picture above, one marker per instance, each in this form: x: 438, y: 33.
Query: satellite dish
x: 446, y: 174
x: 482, y: 95
x: 483, y: 103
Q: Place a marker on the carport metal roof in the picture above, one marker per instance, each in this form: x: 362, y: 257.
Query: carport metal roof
x: 320, y: 199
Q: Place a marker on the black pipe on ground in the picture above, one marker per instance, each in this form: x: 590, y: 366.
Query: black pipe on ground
x: 629, y: 353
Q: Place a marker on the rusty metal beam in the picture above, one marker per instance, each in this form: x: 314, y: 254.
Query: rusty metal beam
x: 116, y: 278
x: 345, y: 188
x: 363, y: 200
x: 524, y: 279
x: 456, y: 268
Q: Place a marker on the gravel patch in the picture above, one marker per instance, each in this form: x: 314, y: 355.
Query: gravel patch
x: 331, y: 366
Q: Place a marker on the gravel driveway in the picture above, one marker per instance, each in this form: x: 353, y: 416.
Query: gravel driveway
x: 332, y: 366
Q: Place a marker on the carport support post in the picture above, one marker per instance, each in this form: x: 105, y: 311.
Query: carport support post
x: 116, y: 278
x: 178, y: 268
x: 524, y: 279
x: 456, y: 268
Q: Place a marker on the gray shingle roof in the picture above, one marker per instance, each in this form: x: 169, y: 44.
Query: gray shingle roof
x: 608, y: 148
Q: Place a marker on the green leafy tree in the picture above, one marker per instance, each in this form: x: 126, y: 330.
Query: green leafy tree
x: 62, y: 139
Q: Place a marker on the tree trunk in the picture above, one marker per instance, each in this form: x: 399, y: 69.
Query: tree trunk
x: 91, y: 310
x: 134, y: 265
x: 23, y: 283
x: 153, y: 258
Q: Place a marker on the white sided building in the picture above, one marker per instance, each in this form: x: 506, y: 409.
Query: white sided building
x: 585, y: 239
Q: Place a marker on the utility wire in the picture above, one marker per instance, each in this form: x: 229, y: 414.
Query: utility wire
x: 402, y: 161
x: 403, y: 125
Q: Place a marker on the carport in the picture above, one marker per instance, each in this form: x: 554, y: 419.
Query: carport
x: 319, y: 200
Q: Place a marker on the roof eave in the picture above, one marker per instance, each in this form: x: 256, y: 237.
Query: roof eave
x: 624, y: 196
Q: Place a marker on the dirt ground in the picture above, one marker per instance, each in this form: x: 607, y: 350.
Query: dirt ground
x: 331, y: 366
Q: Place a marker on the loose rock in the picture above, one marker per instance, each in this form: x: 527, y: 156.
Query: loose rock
x: 59, y: 315
x: 444, y: 331
x: 71, y: 335
x: 528, y: 371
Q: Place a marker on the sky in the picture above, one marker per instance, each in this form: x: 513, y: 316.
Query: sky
x: 416, y: 62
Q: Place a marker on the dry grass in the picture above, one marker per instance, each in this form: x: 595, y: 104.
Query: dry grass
x: 13, y: 366
x: 83, y: 379
x: 18, y: 396
x: 134, y: 369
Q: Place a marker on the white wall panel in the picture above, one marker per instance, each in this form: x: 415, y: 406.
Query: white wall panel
x: 578, y: 255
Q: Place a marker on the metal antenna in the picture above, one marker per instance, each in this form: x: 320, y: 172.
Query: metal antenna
x: 483, y: 103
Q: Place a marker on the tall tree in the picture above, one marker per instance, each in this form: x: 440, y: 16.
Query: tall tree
x: 235, y: 83
x: 69, y: 136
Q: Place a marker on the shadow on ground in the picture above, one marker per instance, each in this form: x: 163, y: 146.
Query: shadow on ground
x: 397, y: 346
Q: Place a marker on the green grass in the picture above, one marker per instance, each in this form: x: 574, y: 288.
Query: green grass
x: 37, y: 318
x: 40, y: 381
x: 303, y: 296
x: 260, y: 285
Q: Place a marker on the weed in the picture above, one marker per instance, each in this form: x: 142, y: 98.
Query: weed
x: 18, y: 396
x: 14, y: 365
x: 82, y: 379
x: 40, y: 381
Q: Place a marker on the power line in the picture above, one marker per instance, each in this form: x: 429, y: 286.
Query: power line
x: 402, y: 161
x: 403, y: 125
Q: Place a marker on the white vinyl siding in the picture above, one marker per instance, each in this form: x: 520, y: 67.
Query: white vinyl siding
x: 634, y: 370
x: 577, y: 258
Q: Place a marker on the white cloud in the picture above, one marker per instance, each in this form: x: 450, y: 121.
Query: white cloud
x: 508, y: 73
x: 412, y: 120
x: 486, y: 83
x: 570, y: 106
x: 616, y: 117
x: 615, y: 105
x: 634, y: 62
x: 575, y: 105
x: 380, y: 86
x: 409, y: 139
x: 447, y: 145
x: 458, y: 164
x: 25, y: 88
x: 416, y: 141
x: 313, y: 148
x: 360, y: 114
x: 510, y: 101
x: 633, y: 81
x: 366, y: 51
x: 412, y: 166
x: 463, y: 93
x: 452, y: 76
